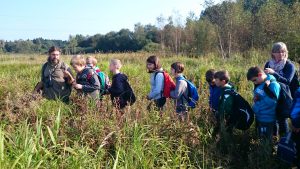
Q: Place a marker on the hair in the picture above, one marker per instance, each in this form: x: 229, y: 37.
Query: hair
x: 222, y: 75
x: 52, y: 49
x: 116, y: 62
x: 279, y: 46
x: 253, y: 72
x: 178, y: 67
x: 93, y: 59
x: 154, y: 60
x: 209, y: 75
x: 77, y: 60
x: 299, y: 61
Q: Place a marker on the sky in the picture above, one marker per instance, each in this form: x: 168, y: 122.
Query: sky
x: 57, y: 19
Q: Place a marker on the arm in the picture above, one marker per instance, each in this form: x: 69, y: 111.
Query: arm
x: 288, y: 75
x: 69, y: 76
x: 181, y: 87
x: 159, y: 81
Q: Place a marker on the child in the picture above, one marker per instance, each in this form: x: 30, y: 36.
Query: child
x: 214, y: 91
x: 104, y: 80
x: 120, y: 90
x: 87, y: 81
x: 180, y: 94
x: 264, y: 106
x: 157, y: 82
x: 225, y: 101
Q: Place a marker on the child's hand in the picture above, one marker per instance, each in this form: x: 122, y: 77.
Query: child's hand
x: 77, y: 86
x: 267, y: 82
x: 269, y: 71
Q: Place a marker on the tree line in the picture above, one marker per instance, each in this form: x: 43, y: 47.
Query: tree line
x: 225, y: 28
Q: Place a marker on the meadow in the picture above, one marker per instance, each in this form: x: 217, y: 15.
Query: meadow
x: 37, y: 133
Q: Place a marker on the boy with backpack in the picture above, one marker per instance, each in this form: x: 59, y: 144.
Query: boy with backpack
x: 158, y: 80
x: 264, y: 105
x: 225, y: 101
x: 87, y: 82
x: 104, y: 80
x: 120, y: 91
x: 185, y: 93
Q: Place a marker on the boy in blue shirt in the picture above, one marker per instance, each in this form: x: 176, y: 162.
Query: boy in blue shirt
x: 264, y: 106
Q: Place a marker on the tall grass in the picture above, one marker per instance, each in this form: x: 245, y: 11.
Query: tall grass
x: 37, y: 133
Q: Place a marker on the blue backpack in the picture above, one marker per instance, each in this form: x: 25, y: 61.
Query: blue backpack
x: 284, y: 102
x: 286, y: 150
x: 193, y: 95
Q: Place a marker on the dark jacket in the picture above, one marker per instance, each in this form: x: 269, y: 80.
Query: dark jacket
x: 55, y: 85
x: 89, y: 81
x: 288, y: 76
x: 119, y: 87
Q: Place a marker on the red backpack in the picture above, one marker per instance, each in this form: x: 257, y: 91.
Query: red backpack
x: 169, y: 84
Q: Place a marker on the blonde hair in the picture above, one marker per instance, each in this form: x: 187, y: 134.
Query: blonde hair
x: 116, y: 62
x: 93, y: 59
x: 77, y: 60
x: 279, y: 46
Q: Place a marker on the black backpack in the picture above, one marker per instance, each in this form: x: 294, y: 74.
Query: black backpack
x: 127, y: 96
x: 284, y: 102
x: 242, y: 115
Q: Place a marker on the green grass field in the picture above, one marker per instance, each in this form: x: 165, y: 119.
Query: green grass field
x: 37, y: 133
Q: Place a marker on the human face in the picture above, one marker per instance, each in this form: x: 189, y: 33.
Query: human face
x: 150, y: 66
x: 213, y: 82
x: 112, y: 67
x: 257, y: 80
x: 54, y: 57
x: 78, y: 68
x: 279, y: 56
x: 173, y: 72
x: 219, y: 83
x: 89, y: 62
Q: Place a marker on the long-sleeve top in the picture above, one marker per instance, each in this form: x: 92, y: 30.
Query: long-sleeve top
x: 157, y: 85
x: 287, y: 76
x: 89, y: 81
x: 180, y: 94
x: 264, y: 106
x: 214, y: 95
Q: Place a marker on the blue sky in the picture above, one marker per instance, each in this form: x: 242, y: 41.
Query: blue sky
x: 57, y: 19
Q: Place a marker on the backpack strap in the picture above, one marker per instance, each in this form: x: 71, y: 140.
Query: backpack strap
x: 161, y: 92
x: 269, y: 92
x: 187, y: 83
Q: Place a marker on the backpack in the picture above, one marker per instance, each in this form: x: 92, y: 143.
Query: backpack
x: 193, y: 95
x: 168, y: 84
x: 103, y: 82
x: 242, y: 115
x: 127, y: 96
x: 284, y: 102
x: 286, y: 149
